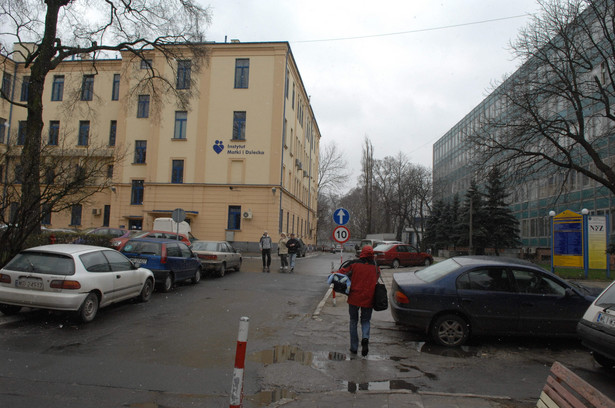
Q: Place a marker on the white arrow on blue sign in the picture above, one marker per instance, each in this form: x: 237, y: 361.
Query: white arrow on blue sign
x: 341, y: 216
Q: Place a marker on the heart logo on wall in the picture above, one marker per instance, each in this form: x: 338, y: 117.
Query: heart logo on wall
x: 218, y: 146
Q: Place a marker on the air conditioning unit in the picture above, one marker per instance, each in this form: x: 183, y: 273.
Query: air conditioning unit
x: 247, y: 215
x: 96, y: 211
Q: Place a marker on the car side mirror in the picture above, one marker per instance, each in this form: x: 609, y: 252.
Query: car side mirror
x: 569, y: 292
x: 133, y: 265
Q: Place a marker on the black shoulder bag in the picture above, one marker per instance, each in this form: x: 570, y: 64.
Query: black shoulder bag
x: 381, y: 298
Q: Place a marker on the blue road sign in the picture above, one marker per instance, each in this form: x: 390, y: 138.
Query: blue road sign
x: 341, y: 216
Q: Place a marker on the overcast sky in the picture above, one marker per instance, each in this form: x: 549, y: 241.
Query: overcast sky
x: 399, y: 72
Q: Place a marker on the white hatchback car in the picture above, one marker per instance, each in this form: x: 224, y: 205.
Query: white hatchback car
x: 597, y: 327
x: 71, y: 277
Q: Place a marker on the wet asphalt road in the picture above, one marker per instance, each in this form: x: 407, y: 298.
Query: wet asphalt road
x: 178, y: 350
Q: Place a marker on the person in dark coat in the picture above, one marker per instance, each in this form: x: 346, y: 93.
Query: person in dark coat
x: 364, y: 275
x: 293, y: 247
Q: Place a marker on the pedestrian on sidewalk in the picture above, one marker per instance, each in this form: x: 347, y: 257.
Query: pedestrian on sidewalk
x: 293, y: 248
x: 265, y: 247
x: 363, y: 274
x: 283, y: 252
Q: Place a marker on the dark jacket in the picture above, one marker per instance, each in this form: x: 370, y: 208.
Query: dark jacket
x: 293, y: 245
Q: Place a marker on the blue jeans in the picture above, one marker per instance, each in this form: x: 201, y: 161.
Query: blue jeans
x: 366, y: 316
x: 292, y: 260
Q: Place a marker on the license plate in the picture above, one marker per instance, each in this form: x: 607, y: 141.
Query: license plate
x: 29, y: 283
x: 139, y: 261
x: 605, y: 319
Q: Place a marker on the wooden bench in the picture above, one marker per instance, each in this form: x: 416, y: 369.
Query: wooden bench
x: 565, y: 389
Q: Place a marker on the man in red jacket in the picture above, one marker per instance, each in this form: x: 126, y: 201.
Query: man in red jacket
x: 363, y: 274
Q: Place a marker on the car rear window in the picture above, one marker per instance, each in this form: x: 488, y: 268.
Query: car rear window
x: 143, y: 248
x: 42, y: 262
x: 437, y: 270
x: 607, y: 298
x: 383, y: 247
x: 205, y: 246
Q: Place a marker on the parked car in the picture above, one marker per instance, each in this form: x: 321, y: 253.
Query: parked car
x: 217, y: 256
x: 113, y: 232
x: 71, y: 277
x: 597, y: 327
x: 477, y: 295
x: 372, y: 242
x: 170, y: 261
x: 118, y: 243
x: 396, y: 255
x: 336, y: 248
x: 302, y: 249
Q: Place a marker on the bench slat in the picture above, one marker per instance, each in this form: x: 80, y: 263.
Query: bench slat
x: 559, y: 394
x: 592, y: 395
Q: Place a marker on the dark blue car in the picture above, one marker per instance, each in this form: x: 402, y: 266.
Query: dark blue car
x: 478, y: 295
x: 171, y: 261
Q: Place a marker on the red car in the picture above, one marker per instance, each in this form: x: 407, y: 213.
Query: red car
x: 118, y: 243
x: 396, y: 255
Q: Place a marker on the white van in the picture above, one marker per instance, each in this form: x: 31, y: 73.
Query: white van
x: 167, y: 224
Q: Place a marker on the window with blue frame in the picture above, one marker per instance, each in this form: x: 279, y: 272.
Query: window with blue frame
x: 25, y: 88
x: 143, y: 106
x: 184, y: 69
x: 234, y: 217
x: 242, y: 72
x: 2, y: 129
x: 136, y: 193
x: 57, y: 88
x: 115, y: 90
x: 84, y: 133
x: 75, y: 214
x: 46, y: 214
x: 21, y: 132
x: 112, y: 132
x: 87, y: 88
x: 146, y: 64
x: 54, y: 132
x: 181, y: 121
x: 140, y: 151
x: 7, y: 80
x: 18, y: 175
x: 239, y: 125
x: 177, y: 171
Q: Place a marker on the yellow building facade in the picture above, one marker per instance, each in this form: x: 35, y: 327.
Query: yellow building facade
x: 242, y: 159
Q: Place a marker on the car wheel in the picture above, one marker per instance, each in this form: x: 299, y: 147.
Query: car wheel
x: 89, y: 308
x: 604, y: 361
x: 450, y: 330
x: 9, y: 310
x: 167, y: 285
x: 427, y: 262
x: 146, y: 291
x: 197, y: 277
x: 395, y: 264
x: 222, y: 270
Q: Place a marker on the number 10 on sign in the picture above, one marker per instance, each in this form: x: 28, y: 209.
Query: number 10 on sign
x: 341, y: 234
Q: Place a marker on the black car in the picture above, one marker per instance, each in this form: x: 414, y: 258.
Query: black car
x: 597, y: 328
x: 478, y: 295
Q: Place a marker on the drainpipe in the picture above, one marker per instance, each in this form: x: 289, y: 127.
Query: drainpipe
x: 280, y: 218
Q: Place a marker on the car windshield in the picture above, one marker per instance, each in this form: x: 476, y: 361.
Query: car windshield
x: 437, y: 270
x: 204, y: 246
x: 607, y: 298
x: 42, y: 262
x: 142, y: 248
x: 383, y: 247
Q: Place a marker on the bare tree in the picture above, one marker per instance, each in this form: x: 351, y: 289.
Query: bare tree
x: 367, y: 182
x: 556, y: 111
x: 332, y: 169
x: 51, y: 32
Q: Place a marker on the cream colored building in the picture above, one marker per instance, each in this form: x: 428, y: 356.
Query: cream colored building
x: 242, y: 160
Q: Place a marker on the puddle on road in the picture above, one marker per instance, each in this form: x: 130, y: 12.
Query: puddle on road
x: 457, y: 352
x: 267, y: 397
x: 353, y: 387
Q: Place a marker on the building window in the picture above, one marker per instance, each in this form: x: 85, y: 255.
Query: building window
x: 115, y: 90
x: 181, y: 119
x: 136, y: 193
x: 25, y: 87
x: 143, y: 106
x: 2, y: 129
x: 146, y: 64
x: 140, y: 151
x: 184, y: 69
x: 18, y: 174
x: 75, y: 215
x: 112, y: 132
x: 177, y: 174
x: 21, y: 132
x: 50, y: 176
x: 57, y: 88
x: 54, y: 132
x: 46, y: 216
x: 106, y: 215
x: 242, y: 72
x: 84, y: 133
x: 239, y: 125
x: 234, y: 217
x: 6, y: 84
x: 87, y: 88
x: 110, y: 171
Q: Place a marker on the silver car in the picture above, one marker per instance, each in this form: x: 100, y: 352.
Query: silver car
x: 71, y: 277
x: 217, y: 256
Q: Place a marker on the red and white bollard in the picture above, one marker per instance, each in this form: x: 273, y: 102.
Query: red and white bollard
x: 240, y: 360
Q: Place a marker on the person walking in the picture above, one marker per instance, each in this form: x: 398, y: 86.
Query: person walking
x: 363, y: 274
x: 283, y: 252
x: 265, y: 247
x: 293, y: 247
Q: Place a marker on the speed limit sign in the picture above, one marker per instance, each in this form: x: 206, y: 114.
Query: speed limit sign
x: 341, y: 234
